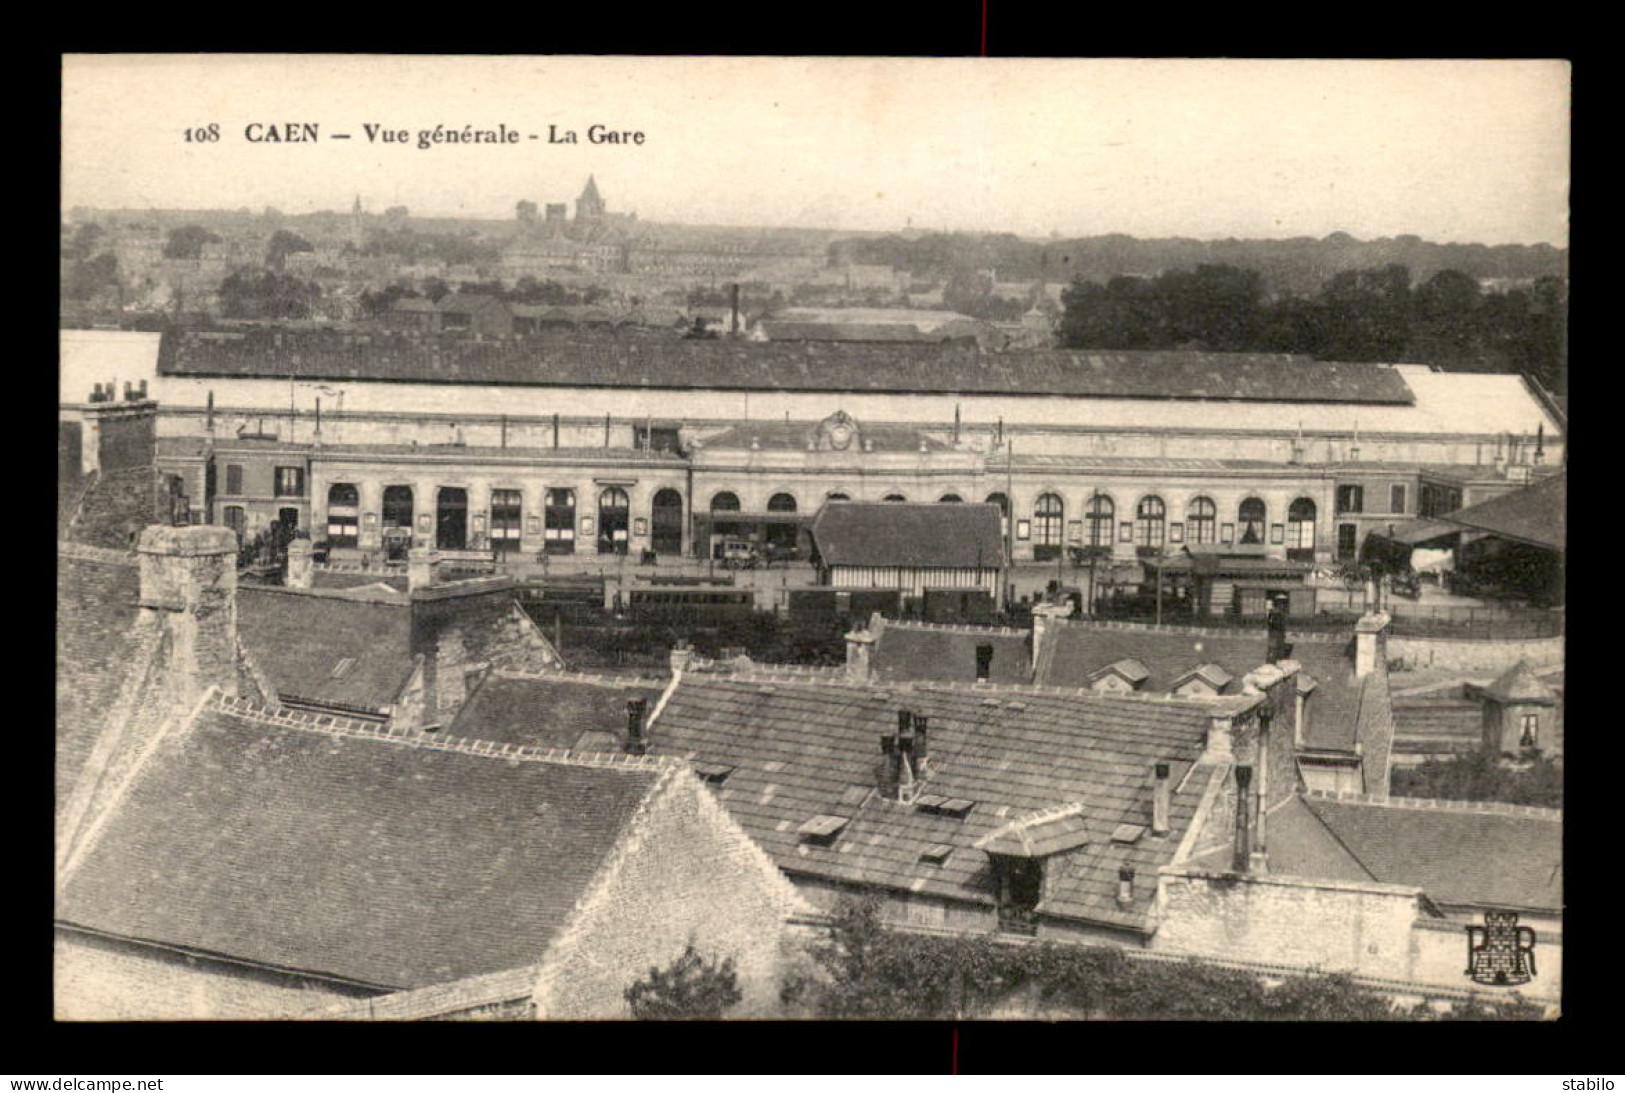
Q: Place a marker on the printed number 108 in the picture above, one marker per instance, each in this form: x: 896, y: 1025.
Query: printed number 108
x: 206, y: 134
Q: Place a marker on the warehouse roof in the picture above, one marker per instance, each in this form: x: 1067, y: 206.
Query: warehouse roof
x: 898, y: 534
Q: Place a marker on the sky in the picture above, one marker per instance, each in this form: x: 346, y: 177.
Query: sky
x: 1452, y: 151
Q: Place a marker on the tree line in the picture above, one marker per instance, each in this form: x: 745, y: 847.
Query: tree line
x: 1358, y: 315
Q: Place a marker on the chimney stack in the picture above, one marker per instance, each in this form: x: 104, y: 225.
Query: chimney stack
x: 1244, y: 819
x: 1276, y: 620
x: 921, y: 725
x: 1161, y: 789
x: 189, y: 586
x: 1125, y: 886
x: 301, y: 564
x: 636, y: 742
x: 860, y: 647
x: 889, y: 772
x: 1370, y: 643
x: 420, y: 567
x: 1045, y: 618
x: 681, y: 657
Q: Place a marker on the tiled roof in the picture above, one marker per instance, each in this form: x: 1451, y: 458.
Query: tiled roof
x: 1459, y: 854
x: 1519, y: 683
x: 1535, y: 514
x: 916, y: 651
x: 802, y: 750
x: 300, y: 640
x: 96, y: 592
x: 787, y: 436
x: 1434, y: 725
x: 909, y: 535
x: 575, y: 359
x: 357, y: 856
x: 549, y: 712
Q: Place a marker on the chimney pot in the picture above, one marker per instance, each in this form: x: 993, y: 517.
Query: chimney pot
x: 1125, y: 886
x: 1242, y: 861
x: 1161, y: 790
x: 636, y: 744
x: 921, y: 725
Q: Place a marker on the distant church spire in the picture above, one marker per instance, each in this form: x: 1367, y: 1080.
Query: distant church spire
x: 355, y: 223
x: 590, y: 206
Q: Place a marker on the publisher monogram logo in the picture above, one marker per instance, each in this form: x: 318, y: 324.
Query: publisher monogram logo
x: 1500, y: 953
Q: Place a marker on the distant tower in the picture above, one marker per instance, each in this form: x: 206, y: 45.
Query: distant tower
x: 356, y: 236
x: 590, y: 206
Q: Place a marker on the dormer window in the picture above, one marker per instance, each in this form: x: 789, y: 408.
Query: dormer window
x: 1018, y: 887
x: 1120, y: 677
x: 1206, y: 681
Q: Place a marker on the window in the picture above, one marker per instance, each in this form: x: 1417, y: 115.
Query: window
x: 236, y: 521
x: 234, y: 479
x: 290, y: 481
x: 1530, y: 737
x: 506, y: 508
x: 950, y: 498
x: 1003, y: 502
x: 837, y: 496
x: 398, y: 507
x: 451, y: 519
x: 894, y: 497
x: 1436, y: 500
x: 614, y: 509
x: 1350, y: 499
x: 781, y: 502
x: 1396, y: 499
x: 559, y: 522
x: 1348, y: 541
x: 1020, y: 886
x: 725, y: 501
x: 1149, y: 523
x: 781, y: 533
x: 1099, y: 516
x: 1049, y: 520
x: 1300, y: 530
x: 666, y: 535
x: 343, y: 515
x: 1202, y: 521
x: 1252, y: 517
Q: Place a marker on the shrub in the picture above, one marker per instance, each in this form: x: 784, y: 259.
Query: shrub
x: 690, y: 988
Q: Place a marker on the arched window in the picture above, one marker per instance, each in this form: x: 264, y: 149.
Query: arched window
x: 559, y: 522
x: 1099, y: 515
x: 506, y: 508
x: 1202, y: 521
x: 725, y: 501
x: 1000, y: 500
x: 1251, y: 516
x: 1049, y: 521
x: 837, y: 496
x: 951, y: 498
x: 1300, y: 530
x: 614, y: 512
x: 894, y: 497
x: 666, y: 525
x: 343, y: 515
x: 782, y: 532
x: 1150, y: 522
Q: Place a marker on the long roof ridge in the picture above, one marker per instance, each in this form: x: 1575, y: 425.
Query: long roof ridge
x: 952, y: 627
x: 331, y: 725
x: 984, y: 689
x: 1437, y: 804
x: 578, y: 675
x: 1203, y: 631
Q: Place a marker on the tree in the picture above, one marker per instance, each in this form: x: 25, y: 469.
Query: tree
x: 1481, y: 777
x: 89, y: 276
x: 282, y: 244
x: 188, y: 241
x: 690, y: 988
x: 249, y: 294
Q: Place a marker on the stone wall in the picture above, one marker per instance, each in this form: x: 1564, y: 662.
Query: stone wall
x: 1360, y: 928
x: 1488, y: 658
x: 687, y: 873
x: 98, y: 979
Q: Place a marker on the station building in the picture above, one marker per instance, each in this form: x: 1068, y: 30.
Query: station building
x: 566, y: 443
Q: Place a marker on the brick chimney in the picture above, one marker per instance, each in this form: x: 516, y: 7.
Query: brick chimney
x: 1370, y: 643
x: 860, y: 647
x: 1125, y: 886
x: 922, y: 726
x: 420, y: 567
x: 1242, y: 859
x: 984, y: 663
x: 301, y: 564
x: 681, y: 657
x: 1161, y: 793
x: 637, y: 742
x: 189, y: 587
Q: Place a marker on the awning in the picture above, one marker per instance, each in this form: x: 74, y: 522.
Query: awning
x: 1416, y: 532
